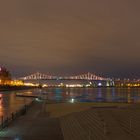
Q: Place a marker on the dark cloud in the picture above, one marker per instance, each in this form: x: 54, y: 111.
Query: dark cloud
x: 70, y: 36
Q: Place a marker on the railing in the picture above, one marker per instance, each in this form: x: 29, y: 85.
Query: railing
x: 6, y: 121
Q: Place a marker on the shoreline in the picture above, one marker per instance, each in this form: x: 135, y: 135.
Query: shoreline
x: 14, y: 88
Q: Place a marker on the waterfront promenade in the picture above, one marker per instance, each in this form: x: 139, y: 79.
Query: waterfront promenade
x: 98, y: 121
x: 35, y: 125
x: 76, y: 121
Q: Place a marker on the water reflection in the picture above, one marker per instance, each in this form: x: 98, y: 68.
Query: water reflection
x: 58, y: 94
x: 113, y: 94
x: 10, y: 103
x: 1, y: 107
x: 87, y: 94
x: 100, y: 97
x: 93, y: 94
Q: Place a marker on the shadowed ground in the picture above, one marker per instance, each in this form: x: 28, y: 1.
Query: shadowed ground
x: 35, y: 125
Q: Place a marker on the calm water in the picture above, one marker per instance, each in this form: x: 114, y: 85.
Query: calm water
x: 10, y: 103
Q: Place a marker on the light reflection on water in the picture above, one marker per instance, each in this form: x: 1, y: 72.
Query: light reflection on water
x: 92, y: 94
x: 10, y: 103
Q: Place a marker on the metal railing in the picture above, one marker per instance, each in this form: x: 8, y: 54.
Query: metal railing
x: 6, y: 121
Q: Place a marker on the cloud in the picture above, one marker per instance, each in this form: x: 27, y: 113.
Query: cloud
x: 66, y: 36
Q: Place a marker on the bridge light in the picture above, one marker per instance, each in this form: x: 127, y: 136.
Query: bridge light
x: 99, y: 84
x: 90, y: 83
x: 107, y: 84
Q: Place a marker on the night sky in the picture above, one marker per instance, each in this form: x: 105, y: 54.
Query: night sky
x: 70, y: 37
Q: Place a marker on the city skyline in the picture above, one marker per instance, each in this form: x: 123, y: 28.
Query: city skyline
x: 70, y: 37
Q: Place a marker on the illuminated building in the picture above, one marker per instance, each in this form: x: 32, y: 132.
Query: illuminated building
x: 5, y: 76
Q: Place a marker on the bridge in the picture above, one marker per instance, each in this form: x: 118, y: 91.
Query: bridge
x: 88, y: 79
x: 40, y: 76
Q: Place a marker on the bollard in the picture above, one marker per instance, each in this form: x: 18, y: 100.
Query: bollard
x: 89, y: 135
x: 16, y: 114
x: 130, y: 124
x: 105, y: 129
x: 2, y: 120
x: 25, y: 109
x: 12, y: 116
x: 6, y: 122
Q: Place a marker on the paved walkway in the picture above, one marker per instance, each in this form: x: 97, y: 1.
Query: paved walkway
x: 114, y: 129
x: 35, y: 125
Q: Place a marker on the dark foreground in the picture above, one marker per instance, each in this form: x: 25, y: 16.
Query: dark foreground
x: 76, y: 121
x: 35, y: 125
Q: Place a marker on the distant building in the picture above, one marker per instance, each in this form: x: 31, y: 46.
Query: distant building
x: 5, y: 75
